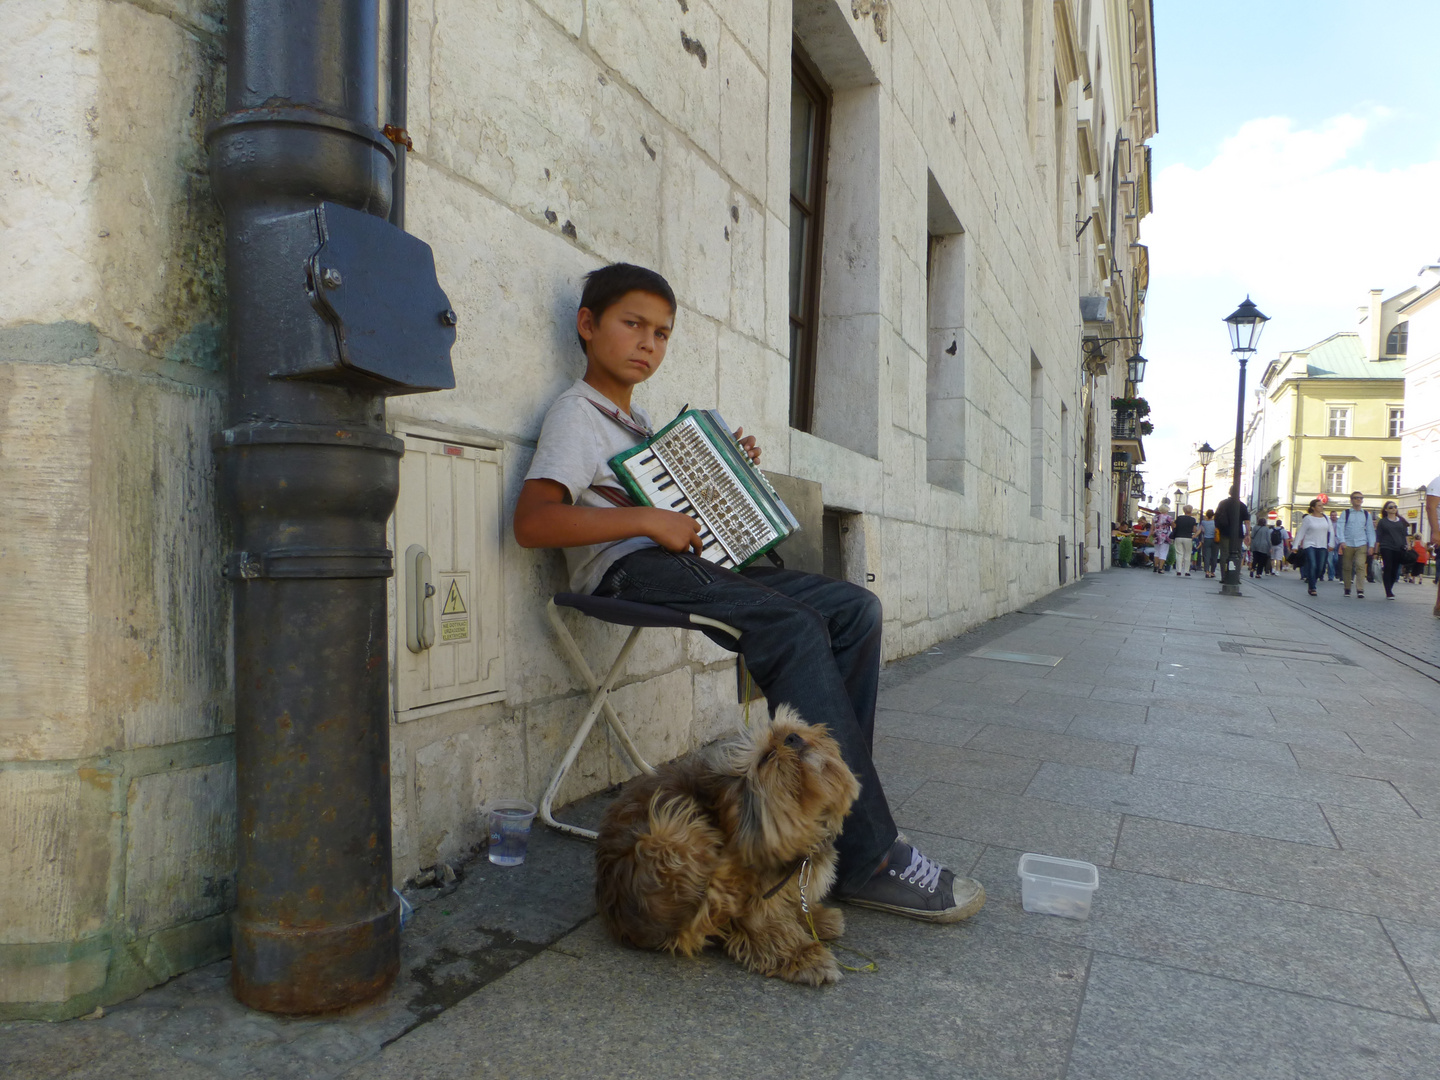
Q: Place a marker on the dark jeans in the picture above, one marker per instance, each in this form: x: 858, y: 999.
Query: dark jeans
x: 809, y: 641
x: 1316, y: 559
x: 1259, y: 560
x: 1390, y: 560
x: 1210, y: 553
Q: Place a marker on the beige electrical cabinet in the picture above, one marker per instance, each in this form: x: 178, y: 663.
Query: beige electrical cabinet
x: 448, y: 586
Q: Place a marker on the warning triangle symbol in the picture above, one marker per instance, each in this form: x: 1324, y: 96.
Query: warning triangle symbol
x: 453, y: 604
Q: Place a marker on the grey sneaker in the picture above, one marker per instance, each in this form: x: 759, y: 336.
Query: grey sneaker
x: 918, y: 888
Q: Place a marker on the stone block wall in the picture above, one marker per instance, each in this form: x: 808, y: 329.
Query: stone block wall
x: 116, y: 773
x: 554, y: 137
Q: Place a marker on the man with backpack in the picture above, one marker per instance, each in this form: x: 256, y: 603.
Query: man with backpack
x: 1355, y: 540
x: 1278, y: 540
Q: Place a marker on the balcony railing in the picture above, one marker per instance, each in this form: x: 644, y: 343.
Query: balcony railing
x: 1125, y: 427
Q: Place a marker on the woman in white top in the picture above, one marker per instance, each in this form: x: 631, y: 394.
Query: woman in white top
x: 1313, y: 540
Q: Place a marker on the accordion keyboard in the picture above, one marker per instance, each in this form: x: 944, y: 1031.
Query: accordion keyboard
x: 684, y: 472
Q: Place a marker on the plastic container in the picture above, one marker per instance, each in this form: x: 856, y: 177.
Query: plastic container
x: 1051, y: 886
x: 510, y: 830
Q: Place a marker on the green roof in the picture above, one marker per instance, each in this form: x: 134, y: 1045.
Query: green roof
x: 1340, y: 356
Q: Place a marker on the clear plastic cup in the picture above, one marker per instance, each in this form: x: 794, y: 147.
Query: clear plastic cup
x: 510, y: 830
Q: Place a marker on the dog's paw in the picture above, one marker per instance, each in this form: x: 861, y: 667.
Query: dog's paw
x: 829, y: 922
x: 814, y: 965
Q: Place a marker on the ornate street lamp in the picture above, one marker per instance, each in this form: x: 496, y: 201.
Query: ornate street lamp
x: 1135, y: 368
x: 1246, y: 323
x: 1205, y: 454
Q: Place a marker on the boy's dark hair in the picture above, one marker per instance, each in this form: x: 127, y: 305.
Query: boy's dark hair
x: 609, y: 283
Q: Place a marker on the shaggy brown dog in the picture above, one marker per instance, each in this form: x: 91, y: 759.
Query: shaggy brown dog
x: 720, y: 844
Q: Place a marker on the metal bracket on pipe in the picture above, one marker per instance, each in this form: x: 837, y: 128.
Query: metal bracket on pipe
x: 306, y: 562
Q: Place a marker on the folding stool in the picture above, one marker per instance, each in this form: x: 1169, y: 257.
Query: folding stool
x: 623, y: 613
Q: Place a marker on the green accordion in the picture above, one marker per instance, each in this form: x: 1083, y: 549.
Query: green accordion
x: 694, y: 465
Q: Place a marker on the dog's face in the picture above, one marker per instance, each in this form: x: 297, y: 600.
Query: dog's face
x: 796, y: 788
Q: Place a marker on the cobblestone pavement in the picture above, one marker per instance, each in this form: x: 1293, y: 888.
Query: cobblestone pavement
x: 1405, y: 627
x: 1259, y: 787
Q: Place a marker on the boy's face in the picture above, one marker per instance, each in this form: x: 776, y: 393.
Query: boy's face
x: 627, y: 343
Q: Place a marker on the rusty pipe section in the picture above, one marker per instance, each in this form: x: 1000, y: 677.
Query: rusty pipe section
x: 308, y: 478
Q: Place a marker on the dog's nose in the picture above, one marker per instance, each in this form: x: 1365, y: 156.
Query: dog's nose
x: 794, y: 742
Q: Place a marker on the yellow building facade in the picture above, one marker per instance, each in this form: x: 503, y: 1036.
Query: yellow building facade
x: 1330, y: 423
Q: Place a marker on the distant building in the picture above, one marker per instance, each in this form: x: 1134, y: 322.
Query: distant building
x: 1417, y: 339
x: 1331, y: 417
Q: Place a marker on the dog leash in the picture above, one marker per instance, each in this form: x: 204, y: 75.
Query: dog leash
x: 870, y: 967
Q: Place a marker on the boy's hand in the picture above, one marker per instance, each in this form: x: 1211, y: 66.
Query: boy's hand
x: 673, y: 531
x: 748, y: 445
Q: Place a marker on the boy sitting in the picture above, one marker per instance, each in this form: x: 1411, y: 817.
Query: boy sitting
x: 808, y: 640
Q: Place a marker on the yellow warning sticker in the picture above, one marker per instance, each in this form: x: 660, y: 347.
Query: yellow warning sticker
x: 454, y: 602
x: 454, y: 617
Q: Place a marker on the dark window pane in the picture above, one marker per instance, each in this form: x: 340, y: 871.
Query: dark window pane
x: 802, y: 128
x: 797, y: 261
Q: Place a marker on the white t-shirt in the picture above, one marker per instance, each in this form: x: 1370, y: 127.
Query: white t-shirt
x: 576, y: 444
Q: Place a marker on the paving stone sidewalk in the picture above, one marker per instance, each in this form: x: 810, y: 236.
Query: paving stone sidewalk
x: 1405, y: 628
x: 1259, y: 787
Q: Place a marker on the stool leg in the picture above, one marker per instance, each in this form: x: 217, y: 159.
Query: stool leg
x: 577, y: 661
x: 599, y: 702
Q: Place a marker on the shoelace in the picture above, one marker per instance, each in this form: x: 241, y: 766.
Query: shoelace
x: 922, y: 871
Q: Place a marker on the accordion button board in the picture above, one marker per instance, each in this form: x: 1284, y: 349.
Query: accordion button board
x: 694, y: 466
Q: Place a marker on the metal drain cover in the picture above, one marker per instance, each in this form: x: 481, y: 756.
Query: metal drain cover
x: 1280, y: 652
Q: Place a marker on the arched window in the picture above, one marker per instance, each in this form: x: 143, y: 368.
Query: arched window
x: 1399, y: 340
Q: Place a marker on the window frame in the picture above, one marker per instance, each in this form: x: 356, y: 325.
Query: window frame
x: 1397, y: 342
x: 1392, y: 472
x: 1395, y: 420
x: 1334, y: 482
x: 1349, y: 414
x: 803, y: 359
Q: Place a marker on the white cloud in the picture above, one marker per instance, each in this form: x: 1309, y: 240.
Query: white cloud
x: 1288, y: 214
x: 1297, y: 220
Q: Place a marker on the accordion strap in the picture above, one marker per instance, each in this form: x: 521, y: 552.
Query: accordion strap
x: 624, y: 421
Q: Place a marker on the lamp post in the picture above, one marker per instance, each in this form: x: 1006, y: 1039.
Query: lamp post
x: 1205, y: 454
x: 1245, y: 322
x: 1135, y: 368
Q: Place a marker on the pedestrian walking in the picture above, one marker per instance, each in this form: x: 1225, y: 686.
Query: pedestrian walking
x: 1313, y: 539
x: 1354, y: 542
x: 1278, y: 541
x: 1161, y: 531
x: 1230, y: 512
x: 1183, y: 537
x: 1259, y: 550
x: 1332, y: 565
x: 1392, y: 541
x: 1420, y: 567
x: 1210, y: 548
x: 1432, y: 515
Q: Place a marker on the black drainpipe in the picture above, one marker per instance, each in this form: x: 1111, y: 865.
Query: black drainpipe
x: 397, y: 101
x: 331, y: 310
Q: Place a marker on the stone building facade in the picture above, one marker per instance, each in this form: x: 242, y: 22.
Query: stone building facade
x: 984, y: 170
x: 1419, y: 319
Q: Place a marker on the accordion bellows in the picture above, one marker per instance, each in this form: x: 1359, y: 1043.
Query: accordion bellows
x: 694, y: 465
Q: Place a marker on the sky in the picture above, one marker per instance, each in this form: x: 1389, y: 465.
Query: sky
x: 1297, y: 162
